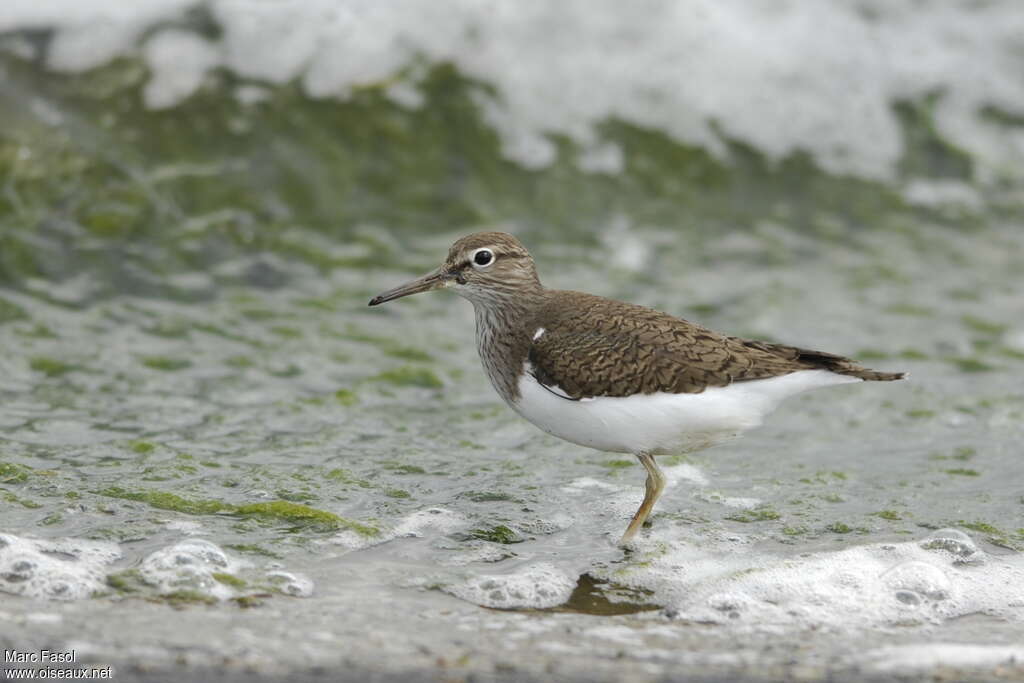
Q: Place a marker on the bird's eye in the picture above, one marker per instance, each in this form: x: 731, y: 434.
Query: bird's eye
x: 483, y: 258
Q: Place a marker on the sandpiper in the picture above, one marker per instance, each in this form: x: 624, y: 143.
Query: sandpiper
x: 615, y: 376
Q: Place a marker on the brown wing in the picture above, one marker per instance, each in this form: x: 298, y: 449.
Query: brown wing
x: 599, y: 347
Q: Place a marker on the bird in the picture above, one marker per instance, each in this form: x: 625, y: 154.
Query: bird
x: 615, y: 376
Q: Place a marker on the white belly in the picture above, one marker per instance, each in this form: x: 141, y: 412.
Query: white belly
x: 663, y: 423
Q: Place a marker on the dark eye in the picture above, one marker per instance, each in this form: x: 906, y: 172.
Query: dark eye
x: 483, y: 257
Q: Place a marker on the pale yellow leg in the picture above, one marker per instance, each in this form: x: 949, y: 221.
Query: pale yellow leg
x: 655, y: 485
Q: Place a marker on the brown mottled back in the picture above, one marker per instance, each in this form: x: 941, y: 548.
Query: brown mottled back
x: 593, y: 346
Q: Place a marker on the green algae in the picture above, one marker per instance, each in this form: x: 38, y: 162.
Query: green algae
x: 409, y: 376
x: 968, y: 364
x: 23, y: 502
x: 303, y: 515
x: 346, y: 397
x: 249, y: 601
x: 229, y: 580
x: 984, y: 326
x: 994, y: 534
x: 50, y: 367
x: 962, y: 453
x: 126, y: 581
x: 10, y: 312
x: 274, y: 511
x: 963, y: 472
x: 497, y: 534
x: 911, y: 310
x: 408, y: 353
x: 618, y: 464
x: 488, y: 496
x: 183, y: 598
x: 253, y: 549
x: 759, y: 514
x: 888, y: 514
x: 165, y: 364
x: 345, y: 477
x: 286, y: 332
x: 983, y: 527
x: 142, y: 447
x: 839, y: 528
x: 927, y: 152
x: 163, y: 500
x: 52, y: 519
x: 12, y: 473
x: 37, y: 331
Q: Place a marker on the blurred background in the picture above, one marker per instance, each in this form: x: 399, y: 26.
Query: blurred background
x: 199, y: 412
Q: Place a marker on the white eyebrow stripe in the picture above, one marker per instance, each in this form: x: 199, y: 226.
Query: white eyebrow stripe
x: 537, y: 335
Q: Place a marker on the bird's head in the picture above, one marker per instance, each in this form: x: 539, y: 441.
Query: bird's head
x: 485, y: 267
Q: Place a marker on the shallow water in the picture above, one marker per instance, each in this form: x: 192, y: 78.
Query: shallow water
x: 216, y: 456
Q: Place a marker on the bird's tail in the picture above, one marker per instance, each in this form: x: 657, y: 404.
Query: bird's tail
x: 867, y: 374
x: 827, y: 361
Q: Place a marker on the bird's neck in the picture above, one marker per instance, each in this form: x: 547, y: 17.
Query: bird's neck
x: 503, y: 341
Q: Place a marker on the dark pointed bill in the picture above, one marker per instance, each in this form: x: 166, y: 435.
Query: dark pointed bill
x: 435, y: 280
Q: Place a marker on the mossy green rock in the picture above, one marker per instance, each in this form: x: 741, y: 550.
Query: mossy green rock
x: 279, y: 510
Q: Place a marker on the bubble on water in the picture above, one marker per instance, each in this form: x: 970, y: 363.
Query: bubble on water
x: 436, y: 519
x: 204, y: 568
x: 908, y: 597
x: 477, y: 552
x: 921, y: 578
x: 190, y: 565
x: 538, y: 585
x: 956, y: 543
x: 289, y: 583
x: 56, y: 569
x: 731, y: 605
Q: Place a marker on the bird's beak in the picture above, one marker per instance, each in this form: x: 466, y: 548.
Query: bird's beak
x: 434, y: 280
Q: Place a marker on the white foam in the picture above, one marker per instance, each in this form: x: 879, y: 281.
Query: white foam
x: 190, y: 565
x: 691, y: 474
x: 536, y: 585
x: 289, y: 583
x: 783, y: 77
x: 866, y: 586
x: 55, y: 569
x: 193, y: 565
x: 178, y: 61
x: 438, y: 519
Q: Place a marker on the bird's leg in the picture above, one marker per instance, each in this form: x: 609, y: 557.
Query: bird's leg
x: 654, y: 486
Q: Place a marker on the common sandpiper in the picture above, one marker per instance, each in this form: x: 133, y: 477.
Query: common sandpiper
x: 615, y: 376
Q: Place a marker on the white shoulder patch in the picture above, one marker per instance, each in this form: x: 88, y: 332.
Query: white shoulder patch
x: 539, y: 333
